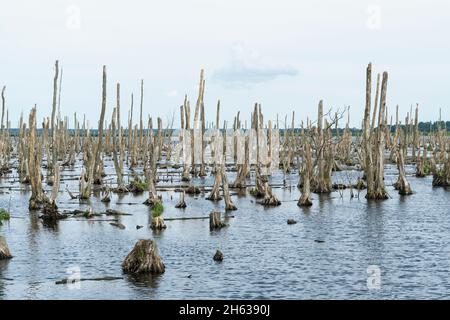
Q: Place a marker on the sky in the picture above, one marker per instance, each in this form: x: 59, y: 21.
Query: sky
x: 286, y: 55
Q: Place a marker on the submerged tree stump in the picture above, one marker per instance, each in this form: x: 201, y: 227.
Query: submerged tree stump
x: 218, y: 256
x: 181, y: 204
x: 192, y: 190
x: 143, y: 259
x: 214, y: 221
x: 158, y: 223
x: 4, y: 250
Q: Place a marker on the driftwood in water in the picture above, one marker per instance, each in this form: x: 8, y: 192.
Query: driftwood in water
x: 112, y: 212
x: 74, y: 280
x: 118, y: 225
x: 193, y: 218
x: 143, y: 259
x: 4, y: 250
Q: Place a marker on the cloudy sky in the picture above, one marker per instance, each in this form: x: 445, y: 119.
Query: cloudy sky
x: 286, y: 55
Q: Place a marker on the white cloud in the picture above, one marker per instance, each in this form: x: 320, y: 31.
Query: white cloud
x: 247, y: 67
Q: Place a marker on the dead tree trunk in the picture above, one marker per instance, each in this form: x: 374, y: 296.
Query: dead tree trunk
x: 215, y: 221
x: 306, y: 171
x: 229, y: 205
x: 97, y: 169
x: 38, y: 198
x: 402, y: 184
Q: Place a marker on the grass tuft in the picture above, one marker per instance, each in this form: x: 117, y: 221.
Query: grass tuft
x: 157, y: 210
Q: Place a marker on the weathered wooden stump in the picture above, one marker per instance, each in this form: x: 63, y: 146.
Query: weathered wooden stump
x: 181, y: 204
x: 143, y: 259
x: 304, y: 201
x: 192, y: 190
x: 158, y: 223
x: 214, y: 221
x: 218, y: 256
x: 50, y: 213
x: 4, y: 250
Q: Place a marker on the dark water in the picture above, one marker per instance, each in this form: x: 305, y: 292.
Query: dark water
x: 408, y: 238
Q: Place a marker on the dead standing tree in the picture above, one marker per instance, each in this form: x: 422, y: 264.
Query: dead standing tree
x: 38, y: 198
x: 374, y: 170
x: 402, y: 185
x: 95, y: 174
x: 306, y: 173
x: 118, y: 153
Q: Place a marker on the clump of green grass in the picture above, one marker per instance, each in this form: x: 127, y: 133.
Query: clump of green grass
x: 137, y: 185
x: 4, y: 215
x: 157, y: 210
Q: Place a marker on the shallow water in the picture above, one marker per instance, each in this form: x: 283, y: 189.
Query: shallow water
x: 408, y: 238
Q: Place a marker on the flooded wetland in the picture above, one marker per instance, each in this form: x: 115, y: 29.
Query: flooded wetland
x: 270, y: 210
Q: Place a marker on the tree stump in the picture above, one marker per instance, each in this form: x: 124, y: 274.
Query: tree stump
x: 192, y: 190
x: 181, y: 204
x: 143, y: 259
x: 4, y: 250
x: 50, y: 213
x: 215, y: 221
x: 158, y: 223
x: 218, y: 256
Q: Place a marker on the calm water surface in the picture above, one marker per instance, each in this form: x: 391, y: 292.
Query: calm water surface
x: 407, y: 237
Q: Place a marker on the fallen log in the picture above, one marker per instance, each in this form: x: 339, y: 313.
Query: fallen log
x: 106, y: 278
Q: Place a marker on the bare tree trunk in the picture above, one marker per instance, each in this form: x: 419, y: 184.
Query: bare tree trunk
x: 38, y: 198
x: 97, y: 169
